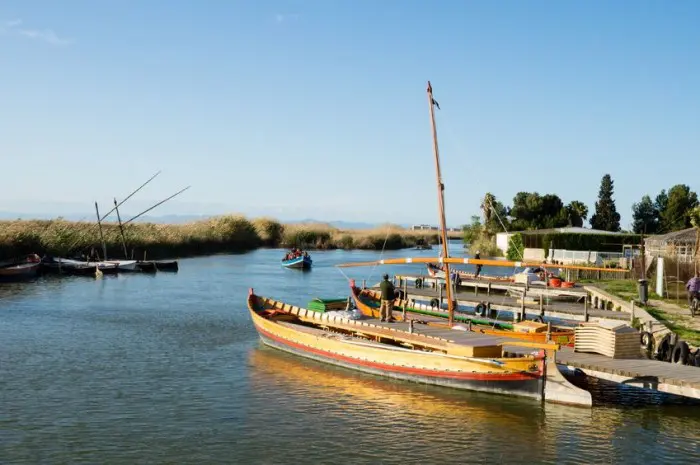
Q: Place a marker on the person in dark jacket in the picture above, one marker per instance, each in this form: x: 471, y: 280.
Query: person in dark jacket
x: 478, y: 267
x: 387, y: 304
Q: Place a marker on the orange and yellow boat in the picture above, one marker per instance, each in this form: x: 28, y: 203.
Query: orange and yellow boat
x: 367, y: 346
x: 367, y: 302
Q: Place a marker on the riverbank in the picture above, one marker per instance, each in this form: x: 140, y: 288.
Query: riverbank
x: 223, y: 234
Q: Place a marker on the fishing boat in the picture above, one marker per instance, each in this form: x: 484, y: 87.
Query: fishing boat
x: 124, y: 265
x: 369, y: 346
x: 20, y: 270
x: 423, y: 245
x: 67, y: 266
x: 367, y: 302
x: 167, y: 265
x: 302, y: 261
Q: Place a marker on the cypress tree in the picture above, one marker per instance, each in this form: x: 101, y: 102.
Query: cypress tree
x: 606, y: 217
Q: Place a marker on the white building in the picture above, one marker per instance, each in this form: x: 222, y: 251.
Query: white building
x: 563, y: 256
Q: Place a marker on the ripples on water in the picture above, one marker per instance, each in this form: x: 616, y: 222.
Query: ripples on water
x: 168, y: 369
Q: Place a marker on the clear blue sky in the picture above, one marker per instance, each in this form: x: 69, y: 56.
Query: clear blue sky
x: 318, y: 108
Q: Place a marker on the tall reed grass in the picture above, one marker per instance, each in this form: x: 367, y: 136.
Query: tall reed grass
x: 222, y: 234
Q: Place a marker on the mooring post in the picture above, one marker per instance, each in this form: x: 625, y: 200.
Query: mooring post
x: 488, y: 288
x: 405, y: 289
x: 631, y: 312
x: 585, y: 310
x: 440, y: 295
x: 541, y: 306
x: 364, y: 284
x: 521, y: 317
x: 549, y: 331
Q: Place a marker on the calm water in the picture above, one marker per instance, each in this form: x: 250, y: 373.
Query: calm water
x: 169, y: 369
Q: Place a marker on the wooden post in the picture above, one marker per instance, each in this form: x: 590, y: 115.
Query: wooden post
x: 541, y: 305
x: 585, y: 309
x: 488, y: 288
x: 440, y: 295
x: 631, y: 312
x: 121, y: 228
x: 364, y: 284
x: 549, y: 331
x: 102, y: 237
x: 521, y: 317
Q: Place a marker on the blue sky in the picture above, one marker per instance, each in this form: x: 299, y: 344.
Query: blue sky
x: 318, y: 108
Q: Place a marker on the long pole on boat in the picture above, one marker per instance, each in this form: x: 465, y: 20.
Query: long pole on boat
x: 121, y: 228
x: 129, y: 196
x: 154, y: 206
x: 102, y: 237
x: 441, y: 205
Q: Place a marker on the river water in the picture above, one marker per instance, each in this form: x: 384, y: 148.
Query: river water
x: 168, y: 369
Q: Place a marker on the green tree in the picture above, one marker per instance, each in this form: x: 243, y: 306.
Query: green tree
x: 606, y: 217
x: 681, y: 201
x: 577, y: 213
x: 645, y: 217
x: 495, y: 215
x: 472, y: 232
x: 532, y: 211
x: 516, y: 247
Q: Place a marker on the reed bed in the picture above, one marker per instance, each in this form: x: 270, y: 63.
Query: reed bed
x: 222, y: 234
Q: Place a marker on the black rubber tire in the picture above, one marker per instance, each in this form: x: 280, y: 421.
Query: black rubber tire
x: 646, y: 339
x: 480, y: 309
x: 696, y: 358
x: 664, y: 349
x: 434, y: 303
x: 398, y: 293
x: 418, y: 283
x: 680, y: 353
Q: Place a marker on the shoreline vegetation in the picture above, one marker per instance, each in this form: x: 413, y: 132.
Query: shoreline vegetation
x: 221, y: 234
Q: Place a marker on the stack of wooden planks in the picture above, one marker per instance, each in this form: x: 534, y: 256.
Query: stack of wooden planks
x: 612, y: 339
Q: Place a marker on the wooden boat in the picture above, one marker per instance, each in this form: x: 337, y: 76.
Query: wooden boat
x: 438, y: 271
x: 20, y: 270
x: 124, y: 265
x: 301, y: 262
x: 167, y: 265
x: 70, y: 267
x: 367, y: 302
x: 372, y: 348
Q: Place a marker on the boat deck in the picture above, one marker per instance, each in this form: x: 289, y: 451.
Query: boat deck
x: 552, y: 309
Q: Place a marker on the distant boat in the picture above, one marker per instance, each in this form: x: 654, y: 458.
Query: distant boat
x: 301, y: 262
x: 20, y: 270
x: 71, y: 267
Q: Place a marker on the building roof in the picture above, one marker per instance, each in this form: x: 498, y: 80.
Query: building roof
x: 567, y: 229
x: 684, y: 236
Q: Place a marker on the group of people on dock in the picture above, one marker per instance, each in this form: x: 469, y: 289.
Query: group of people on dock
x: 295, y: 253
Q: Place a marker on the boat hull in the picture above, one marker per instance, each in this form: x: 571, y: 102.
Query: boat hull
x: 528, y: 387
x: 435, y: 271
x: 298, y: 263
x: 20, y: 272
x: 403, y: 364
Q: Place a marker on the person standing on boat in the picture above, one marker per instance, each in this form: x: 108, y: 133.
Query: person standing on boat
x: 477, y: 256
x: 388, y: 296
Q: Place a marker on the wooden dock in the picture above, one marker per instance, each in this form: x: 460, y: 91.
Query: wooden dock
x: 552, y: 309
x: 681, y: 380
x: 488, y: 287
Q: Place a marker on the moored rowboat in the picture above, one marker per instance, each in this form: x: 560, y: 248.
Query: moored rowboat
x: 20, y: 270
x: 367, y: 302
x: 437, y: 271
x: 369, y: 347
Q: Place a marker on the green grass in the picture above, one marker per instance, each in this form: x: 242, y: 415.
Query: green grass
x: 627, y: 289
x: 223, y: 234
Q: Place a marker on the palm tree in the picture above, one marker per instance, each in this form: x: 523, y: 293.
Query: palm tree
x: 695, y: 221
x: 486, y: 207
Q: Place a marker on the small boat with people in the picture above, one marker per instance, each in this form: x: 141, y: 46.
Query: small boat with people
x: 296, y: 258
x: 20, y: 269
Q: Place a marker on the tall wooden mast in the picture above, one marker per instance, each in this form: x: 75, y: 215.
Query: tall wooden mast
x: 441, y: 205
